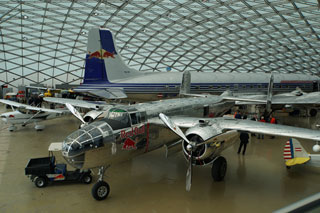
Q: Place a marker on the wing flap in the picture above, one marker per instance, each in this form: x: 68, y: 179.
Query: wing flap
x: 109, y: 93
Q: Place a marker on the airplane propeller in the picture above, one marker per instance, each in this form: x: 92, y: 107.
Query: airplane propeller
x: 189, y: 174
x: 75, y: 112
x: 190, y: 147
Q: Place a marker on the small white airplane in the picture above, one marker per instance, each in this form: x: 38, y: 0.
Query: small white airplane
x: 106, y: 75
x: 295, y: 154
x: 26, y: 114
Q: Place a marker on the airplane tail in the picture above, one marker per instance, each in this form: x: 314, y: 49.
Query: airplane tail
x: 186, y: 83
x: 103, y: 61
x: 269, y: 94
x: 294, y: 153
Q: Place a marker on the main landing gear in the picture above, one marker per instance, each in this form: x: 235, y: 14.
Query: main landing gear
x: 219, y: 168
x: 101, y: 189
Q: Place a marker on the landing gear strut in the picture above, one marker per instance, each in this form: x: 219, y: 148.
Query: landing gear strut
x: 101, y: 189
x: 219, y: 168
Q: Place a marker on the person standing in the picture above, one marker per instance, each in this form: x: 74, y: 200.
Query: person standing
x: 244, y: 139
x: 272, y: 121
x: 237, y: 115
x: 261, y: 136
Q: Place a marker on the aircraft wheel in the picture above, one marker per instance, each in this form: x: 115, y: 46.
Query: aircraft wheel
x: 87, y: 179
x: 288, y: 167
x: 40, y: 182
x: 100, y: 190
x: 219, y: 169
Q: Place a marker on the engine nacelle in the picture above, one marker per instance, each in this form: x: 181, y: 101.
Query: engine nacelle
x: 203, y: 154
x: 91, y: 115
x: 316, y: 148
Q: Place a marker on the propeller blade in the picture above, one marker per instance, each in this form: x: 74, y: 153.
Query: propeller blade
x: 179, y: 132
x: 189, y: 174
x: 114, y: 148
x: 75, y: 112
x: 173, y: 127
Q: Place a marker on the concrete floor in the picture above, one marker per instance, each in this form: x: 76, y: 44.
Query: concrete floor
x: 256, y: 182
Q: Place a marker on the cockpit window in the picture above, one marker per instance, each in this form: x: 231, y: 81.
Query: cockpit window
x: 121, y: 118
x: 135, y: 118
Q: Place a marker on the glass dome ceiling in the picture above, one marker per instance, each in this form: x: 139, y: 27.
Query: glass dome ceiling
x: 45, y: 41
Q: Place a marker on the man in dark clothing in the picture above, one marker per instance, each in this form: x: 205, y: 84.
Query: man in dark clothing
x: 238, y: 115
x: 244, y: 139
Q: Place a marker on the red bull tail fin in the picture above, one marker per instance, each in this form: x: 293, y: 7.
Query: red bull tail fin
x: 294, y: 153
x: 103, y: 61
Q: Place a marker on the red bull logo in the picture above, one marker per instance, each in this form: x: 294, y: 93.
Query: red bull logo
x: 127, y: 135
x: 100, y: 54
x: 133, y: 132
x: 129, y: 144
x: 107, y: 54
x: 95, y: 54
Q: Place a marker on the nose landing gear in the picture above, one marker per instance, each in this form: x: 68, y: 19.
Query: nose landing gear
x: 101, y: 189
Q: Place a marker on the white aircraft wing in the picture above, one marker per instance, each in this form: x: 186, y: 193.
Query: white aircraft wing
x: 267, y: 128
x: 28, y: 107
x: 252, y: 100
x: 109, y: 93
x: 305, y: 98
x: 227, y: 124
x: 78, y: 103
x: 308, y: 98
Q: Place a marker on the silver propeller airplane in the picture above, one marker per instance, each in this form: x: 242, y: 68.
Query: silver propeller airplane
x: 128, y: 131
x: 25, y: 114
x: 107, y: 75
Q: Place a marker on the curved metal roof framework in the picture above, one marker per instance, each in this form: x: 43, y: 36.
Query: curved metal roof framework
x: 45, y: 41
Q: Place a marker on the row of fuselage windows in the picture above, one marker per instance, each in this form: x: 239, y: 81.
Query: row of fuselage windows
x: 255, y: 86
x: 248, y: 86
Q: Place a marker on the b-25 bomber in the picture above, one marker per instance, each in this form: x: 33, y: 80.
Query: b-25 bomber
x: 128, y: 131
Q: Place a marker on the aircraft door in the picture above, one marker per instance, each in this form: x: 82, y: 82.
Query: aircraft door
x: 205, y: 111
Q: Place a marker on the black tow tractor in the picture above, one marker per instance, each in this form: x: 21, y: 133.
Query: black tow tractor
x: 44, y: 170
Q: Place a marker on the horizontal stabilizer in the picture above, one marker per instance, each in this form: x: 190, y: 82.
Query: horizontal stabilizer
x: 296, y: 161
x: 110, y: 93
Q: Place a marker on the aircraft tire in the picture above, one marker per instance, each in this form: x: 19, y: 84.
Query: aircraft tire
x: 87, y: 179
x: 219, y: 169
x: 100, y: 190
x: 40, y: 182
